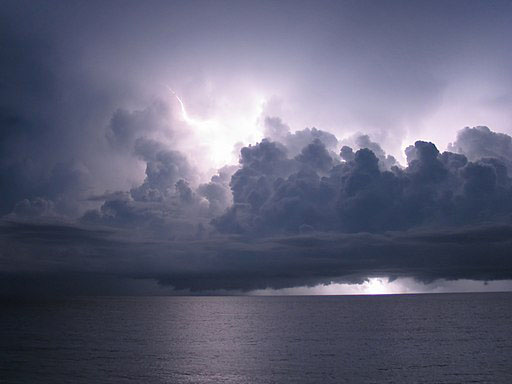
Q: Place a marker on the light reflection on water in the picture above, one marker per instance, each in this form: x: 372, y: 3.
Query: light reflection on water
x: 402, y: 339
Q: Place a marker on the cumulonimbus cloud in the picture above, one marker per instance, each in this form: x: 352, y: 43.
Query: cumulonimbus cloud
x: 283, y: 219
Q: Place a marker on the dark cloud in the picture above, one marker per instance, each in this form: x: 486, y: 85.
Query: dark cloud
x: 360, y: 195
x: 316, y: 157
x: 277, y: 220
x: 52, y: 140
x: 217, y: 192
x: 34, y: 208
x: 347, y: 153
x: 277, y: 130
x: 164, y: 168
x: 480, y: 142
x: 293, y: 221
x: 99, y: 180
x: 281, y: 221
x: 125, y: 127
x: 359, y: 141
x: 240, y: 263
x: 181, y: 214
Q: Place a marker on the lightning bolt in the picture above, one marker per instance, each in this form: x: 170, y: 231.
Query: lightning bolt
x: 184, y: 113
x: 183, y: 109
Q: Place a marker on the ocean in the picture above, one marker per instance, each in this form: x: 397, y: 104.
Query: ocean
x: 434, y: 338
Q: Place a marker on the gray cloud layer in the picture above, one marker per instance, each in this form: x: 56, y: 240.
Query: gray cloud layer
x: 66, y: 253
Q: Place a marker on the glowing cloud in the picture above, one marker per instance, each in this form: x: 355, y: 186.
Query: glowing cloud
x: 230, y: 125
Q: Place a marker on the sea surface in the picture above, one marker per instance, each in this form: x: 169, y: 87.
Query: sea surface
x: 441, y: 338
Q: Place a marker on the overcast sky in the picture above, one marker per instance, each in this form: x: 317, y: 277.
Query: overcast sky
x: 252, y: 146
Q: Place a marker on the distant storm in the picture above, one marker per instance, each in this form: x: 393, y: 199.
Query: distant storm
x: 269, y: 147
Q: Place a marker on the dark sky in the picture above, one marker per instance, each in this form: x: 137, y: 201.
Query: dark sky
x: 147, y: 147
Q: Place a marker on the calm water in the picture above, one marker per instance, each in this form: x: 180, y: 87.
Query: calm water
x: 457, y: 338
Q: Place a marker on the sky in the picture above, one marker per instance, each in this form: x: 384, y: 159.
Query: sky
x: 255, y: 147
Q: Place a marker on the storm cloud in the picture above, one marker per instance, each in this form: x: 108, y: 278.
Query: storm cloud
x: 315, y: 191
x: 288, y: 221
x: 350, y: 161
x: 68, y: 253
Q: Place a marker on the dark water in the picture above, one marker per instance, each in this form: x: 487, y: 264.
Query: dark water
x: 451, y: 338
